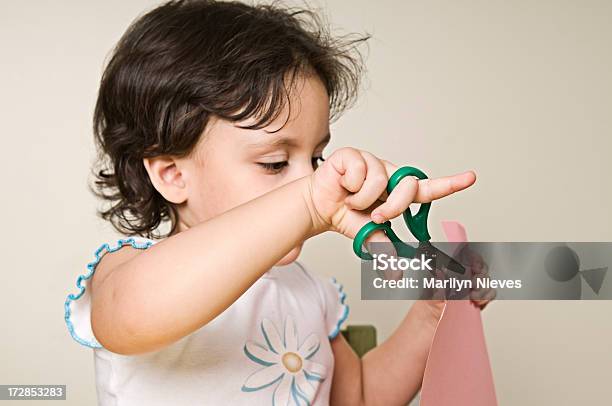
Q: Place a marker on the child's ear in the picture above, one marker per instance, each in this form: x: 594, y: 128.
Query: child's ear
x: 167, y: 178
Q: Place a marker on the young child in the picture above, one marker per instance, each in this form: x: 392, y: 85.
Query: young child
x: 212, y: 118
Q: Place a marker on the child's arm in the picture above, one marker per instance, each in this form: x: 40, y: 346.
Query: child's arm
x: 391, y: 373
x: 178, y: 285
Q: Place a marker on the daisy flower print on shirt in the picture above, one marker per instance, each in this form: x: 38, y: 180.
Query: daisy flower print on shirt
x: 286, y: 365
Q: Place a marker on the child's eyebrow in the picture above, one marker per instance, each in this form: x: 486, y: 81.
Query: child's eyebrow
x: 285, y: 141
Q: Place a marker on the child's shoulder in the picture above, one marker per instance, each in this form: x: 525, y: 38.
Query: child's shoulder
x: 106, y: 257
x: 110, y: 256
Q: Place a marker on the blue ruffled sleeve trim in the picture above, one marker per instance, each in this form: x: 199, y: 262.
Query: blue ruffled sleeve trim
x: 80, y: 329
x: 344, y: 309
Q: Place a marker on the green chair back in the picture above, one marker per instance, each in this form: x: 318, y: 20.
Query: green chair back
x: 362, y: 338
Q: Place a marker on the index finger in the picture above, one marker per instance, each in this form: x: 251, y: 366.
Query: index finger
x: 432, y: 189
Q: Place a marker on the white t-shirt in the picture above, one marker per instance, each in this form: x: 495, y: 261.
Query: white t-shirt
x: 270, y: 347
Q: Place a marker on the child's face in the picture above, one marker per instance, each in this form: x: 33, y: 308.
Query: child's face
x: 231, y: 165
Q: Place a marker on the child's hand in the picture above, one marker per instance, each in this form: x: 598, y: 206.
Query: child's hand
x: 349, y: 189
x: 477, y: 268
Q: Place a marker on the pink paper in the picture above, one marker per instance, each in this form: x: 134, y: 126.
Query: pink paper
x: 458, y: 371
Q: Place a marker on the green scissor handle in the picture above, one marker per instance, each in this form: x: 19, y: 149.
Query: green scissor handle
x: 417, y: 224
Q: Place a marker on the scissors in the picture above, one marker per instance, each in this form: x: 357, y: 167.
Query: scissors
x: 417, y: 225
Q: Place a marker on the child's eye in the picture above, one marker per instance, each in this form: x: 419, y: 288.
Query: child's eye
x: 315, y: 161
x: 274, y: 167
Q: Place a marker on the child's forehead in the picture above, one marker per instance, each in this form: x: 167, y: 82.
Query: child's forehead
x: 289, y: 139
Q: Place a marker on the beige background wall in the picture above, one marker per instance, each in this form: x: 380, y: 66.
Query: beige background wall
x: 519, y: 91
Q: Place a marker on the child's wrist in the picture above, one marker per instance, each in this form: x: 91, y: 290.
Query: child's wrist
x: 319, y: 225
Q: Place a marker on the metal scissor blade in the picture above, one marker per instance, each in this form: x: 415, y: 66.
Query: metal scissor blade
x: 442, y: 260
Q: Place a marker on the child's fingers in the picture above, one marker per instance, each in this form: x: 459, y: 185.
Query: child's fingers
x: 477, y: 264
x: 485, y: 299
x: 399, y: 200
x: 473, y: 260
x: 374, y: 185
x: 480, y: 296
x: 389, y: 167
x: 432, y: 189
x: 353, y: 168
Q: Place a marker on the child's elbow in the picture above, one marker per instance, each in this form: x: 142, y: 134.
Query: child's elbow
x: 117, y: 337
x: 107, y: 335
x: 110, y: 327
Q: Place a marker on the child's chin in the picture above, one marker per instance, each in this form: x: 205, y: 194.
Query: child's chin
x: 291, y: 256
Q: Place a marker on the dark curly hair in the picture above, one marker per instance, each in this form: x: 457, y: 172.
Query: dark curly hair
x: 184, y: 61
